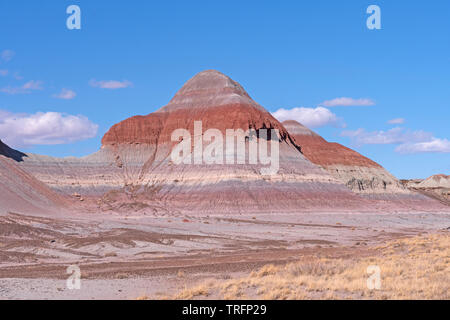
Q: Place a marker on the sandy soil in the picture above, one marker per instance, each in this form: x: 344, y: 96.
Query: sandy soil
x: 124, y: 257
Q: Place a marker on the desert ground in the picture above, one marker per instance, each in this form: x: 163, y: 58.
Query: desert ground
x: 264, y: 256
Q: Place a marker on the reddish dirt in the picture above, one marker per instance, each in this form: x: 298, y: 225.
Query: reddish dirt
x: 324, y: 153
x: 210, y: 97
x: 158, y: 127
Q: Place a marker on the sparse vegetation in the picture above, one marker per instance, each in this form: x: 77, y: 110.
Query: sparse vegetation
x: 411, y: 268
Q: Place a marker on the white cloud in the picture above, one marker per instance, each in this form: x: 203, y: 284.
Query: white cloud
x: 310, y: 117
x: 24, y: 89
x: 33, y: 85
x: 7, y: 55
x: 409, y: 141
x: 344, y: 101
x: 65, y: 94
x: 396, y: 121
x: 44, y: 128
x: 393, y: 136
x: 110, y: 84
x: 435, y: 145
x: 4, y: 72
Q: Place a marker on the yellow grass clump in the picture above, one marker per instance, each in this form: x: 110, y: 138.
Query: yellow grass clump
x: 410, y: 268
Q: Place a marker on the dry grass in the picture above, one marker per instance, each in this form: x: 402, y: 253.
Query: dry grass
x: 190, y: 293
x: 412, y: 268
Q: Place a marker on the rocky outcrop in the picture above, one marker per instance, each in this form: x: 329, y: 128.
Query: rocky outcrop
x: 357, y: 172
x: 10, y: 153
x: 360, y: 174
x: 134, y: 163
x: 436, y: 181
x: 437, y: 186
x: 19, y: 190
x: 134, y: 169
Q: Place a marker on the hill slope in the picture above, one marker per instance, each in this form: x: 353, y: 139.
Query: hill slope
x: 134, y: 168
x: 19, y: 190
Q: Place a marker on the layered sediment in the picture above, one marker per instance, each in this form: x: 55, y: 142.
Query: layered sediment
x: 360, y: 174
x: 357, y: 172
x: 436, y: 186
x: 19, y: 190
x: 134, y: 170
x: 135, y: 162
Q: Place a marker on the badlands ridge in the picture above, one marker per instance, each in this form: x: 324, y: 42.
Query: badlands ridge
x: 133, y: 170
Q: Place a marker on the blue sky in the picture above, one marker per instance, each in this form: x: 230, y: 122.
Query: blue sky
x: 289, y: 54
